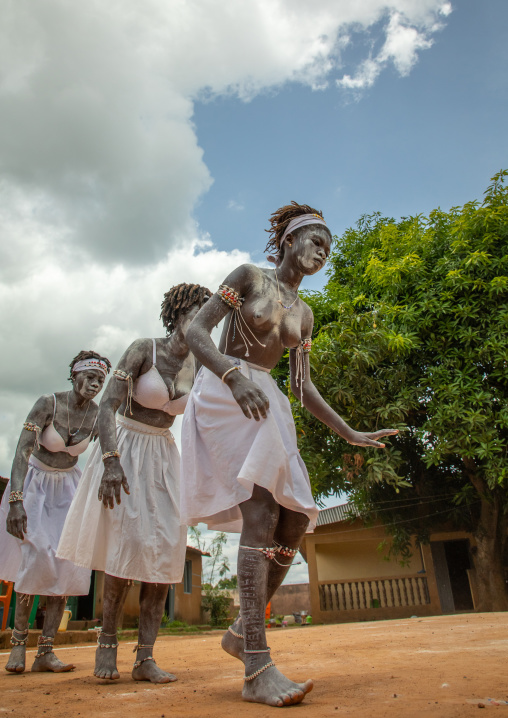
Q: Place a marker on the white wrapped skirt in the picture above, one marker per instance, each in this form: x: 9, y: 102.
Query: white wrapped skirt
x: 142, y: 538
x: 224, y: 454
x: 32, y: 564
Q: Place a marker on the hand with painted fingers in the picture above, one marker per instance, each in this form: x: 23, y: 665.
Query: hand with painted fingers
x: 112, y: 482
x: 249, y: 397
x: 360, y: 438
x: 16, y: 520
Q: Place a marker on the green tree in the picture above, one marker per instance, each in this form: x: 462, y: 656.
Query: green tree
x: 411, y: 332
x: 215, y: 598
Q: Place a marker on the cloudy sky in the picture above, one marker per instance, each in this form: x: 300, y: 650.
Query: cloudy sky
x: 146, y: 142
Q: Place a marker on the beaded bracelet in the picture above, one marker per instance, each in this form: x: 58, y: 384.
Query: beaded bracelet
x: 15, y: 496
x: 233, y: 368
x: 110, y: 455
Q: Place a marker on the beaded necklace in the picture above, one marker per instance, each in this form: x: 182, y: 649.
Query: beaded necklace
x: 278, y: 290
x: 73, y: 433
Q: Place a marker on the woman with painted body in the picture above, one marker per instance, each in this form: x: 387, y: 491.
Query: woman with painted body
x: 241, y: 470
x: 140, y: 538
x: 44, y: 479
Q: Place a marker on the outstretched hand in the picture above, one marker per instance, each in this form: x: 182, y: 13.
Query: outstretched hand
x: 113, y: 480
x: 359, y: 438
x: 16, y: 520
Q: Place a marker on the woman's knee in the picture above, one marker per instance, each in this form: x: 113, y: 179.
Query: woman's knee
x: 260, y: 516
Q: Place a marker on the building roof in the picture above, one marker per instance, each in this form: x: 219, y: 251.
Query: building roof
x: 197, y: 550
x: 335, y: 514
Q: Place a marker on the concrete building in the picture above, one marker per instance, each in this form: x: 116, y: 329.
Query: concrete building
x: 351, y: 580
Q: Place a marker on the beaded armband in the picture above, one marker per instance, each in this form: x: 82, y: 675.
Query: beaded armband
x: 306, y: 345
x: 124, y: 376
x: 230, y: 296
x: 31, y: 426
x: 15, y: 496
x: 110, y: 455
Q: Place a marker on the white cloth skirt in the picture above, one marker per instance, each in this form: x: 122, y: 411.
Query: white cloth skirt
x: 32, y: 563
x: 140, y: 539
x: 224, y: 454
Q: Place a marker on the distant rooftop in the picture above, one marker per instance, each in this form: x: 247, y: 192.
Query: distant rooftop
x: 334, y: 514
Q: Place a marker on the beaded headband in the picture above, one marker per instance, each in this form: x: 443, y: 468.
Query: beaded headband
x: 86, y: 364
x: 302, y: 221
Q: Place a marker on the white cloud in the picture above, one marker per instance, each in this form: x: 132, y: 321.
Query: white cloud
x: 405, y: 36
x: 101, y: 168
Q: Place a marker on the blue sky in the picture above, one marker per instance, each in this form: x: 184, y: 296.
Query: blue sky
x: 145, y: 143
x: 406, y: 145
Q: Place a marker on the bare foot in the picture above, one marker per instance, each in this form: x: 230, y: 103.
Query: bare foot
x: 16, y: 662
x: 150, y: 671
x: 49, y: 662
x: 273, y: 688
x: 233, y: 644
x: 105, y: 664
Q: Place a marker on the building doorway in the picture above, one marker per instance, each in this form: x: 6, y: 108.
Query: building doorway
x: 451, y: 564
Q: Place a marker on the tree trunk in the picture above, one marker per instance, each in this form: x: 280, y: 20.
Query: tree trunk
x: 490, y: 538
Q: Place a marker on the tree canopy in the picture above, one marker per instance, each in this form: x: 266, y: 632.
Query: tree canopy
x: 411, y: 333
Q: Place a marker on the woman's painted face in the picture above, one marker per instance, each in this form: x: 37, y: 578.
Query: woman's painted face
x: 88, y: 383
x: 312, y: 248
x: 185, y: 318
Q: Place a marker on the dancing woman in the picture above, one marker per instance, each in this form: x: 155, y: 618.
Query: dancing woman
x: 43, y: 482
x: 141, y: 537
x: 241, y: 470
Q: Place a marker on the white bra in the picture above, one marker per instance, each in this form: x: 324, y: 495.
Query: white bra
x: 151, y: 391
x: 52, y: 441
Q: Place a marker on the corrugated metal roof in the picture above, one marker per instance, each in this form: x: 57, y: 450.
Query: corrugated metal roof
x: 335, y: 514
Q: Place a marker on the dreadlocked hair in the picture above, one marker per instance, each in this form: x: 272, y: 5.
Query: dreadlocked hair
x: 280, y: 220
x: 88, y: 355
x: 179, y: 299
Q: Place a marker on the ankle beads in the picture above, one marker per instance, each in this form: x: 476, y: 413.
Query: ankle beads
x: 139, y: 647
x: 19, y: 640
x: 258, y: 672
x: 44, y: 642
x: 106, y: 645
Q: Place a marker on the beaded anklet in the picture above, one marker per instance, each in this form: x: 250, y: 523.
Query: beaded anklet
x: 106, y: 645
x: 261, y: 650
x: 19, y: 641
x: 235, y: 634
x: 138, y: 663
x: 44, y: 642
x: 258, y: 672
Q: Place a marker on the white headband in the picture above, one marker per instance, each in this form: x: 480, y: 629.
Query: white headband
x: 302, y: 221
x: 86, y: 364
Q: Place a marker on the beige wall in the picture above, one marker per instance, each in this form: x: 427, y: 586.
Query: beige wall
x: 359, y: 560
x: 291, y: 598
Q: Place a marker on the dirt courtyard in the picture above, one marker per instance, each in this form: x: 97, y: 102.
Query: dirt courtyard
x: 439, y: 666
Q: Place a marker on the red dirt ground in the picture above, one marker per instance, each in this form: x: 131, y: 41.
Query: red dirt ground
x: 442, y: 666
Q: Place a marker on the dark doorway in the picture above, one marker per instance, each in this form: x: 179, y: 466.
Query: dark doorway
x: 86, y: 604
x: 170, y: 603
x: 451, y: 563
x: 458, y: 560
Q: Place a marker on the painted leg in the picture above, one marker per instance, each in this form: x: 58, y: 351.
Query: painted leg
x: 151, y: 607
x: 289, y: 532
x: 17, y: 656
x: 45, y: 660
x: 263, y: 682
x: 115, y: 592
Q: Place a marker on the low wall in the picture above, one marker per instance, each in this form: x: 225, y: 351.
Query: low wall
x: 291, y: 598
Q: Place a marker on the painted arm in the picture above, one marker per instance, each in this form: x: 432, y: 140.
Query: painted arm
x: 115, y: 394
x: 252, y: 401
x: 314, y: 402
x: 40, y: 416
